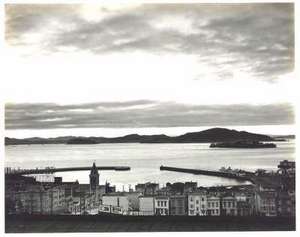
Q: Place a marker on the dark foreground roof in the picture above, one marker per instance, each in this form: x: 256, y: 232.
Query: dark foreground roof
x: 51, y: 224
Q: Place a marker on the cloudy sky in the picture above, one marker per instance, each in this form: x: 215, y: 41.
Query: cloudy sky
x: 74, y: 68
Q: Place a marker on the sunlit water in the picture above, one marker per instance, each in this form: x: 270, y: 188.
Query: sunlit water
x: 145, y: 160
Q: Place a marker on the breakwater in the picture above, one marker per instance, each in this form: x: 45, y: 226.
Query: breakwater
x: 209, y: 173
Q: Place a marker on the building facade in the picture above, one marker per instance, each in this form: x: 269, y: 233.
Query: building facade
x: 133, y: 199
x: 245, y: 204
x: 146, y: 205
x: 197, y: 204
x: 178, y: 205
x: 228, y: 206
x: 286, y: 203
x: 265, y: 203
x: 38, y: 200
x: 161, y: 205
x: 213, y: 206
x: 118, y: 200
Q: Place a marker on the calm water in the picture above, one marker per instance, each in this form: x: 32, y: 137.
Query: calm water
x: 145, y: 160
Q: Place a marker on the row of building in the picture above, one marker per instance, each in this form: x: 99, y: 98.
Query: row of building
x: 213, y: 201
x: 27, y: 195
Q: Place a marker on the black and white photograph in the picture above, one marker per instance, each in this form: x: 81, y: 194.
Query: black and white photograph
x: 149, y: 117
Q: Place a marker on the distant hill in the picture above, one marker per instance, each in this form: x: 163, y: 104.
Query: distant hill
x: 81, y: 140
x: 37, y: 140
x: 206, y: 136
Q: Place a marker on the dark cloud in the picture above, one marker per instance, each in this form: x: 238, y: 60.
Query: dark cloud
x: 143, y: 113
x: 255, y: 38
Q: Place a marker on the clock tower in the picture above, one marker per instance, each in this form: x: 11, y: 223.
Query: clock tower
x: 94, y: 178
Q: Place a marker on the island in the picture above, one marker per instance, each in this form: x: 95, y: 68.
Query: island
x: 242, y: 144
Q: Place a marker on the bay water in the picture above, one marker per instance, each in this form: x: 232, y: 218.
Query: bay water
x: 145, y: 160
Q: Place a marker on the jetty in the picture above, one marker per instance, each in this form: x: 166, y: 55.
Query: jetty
x: 51, y: 170
x: 209, y: 173
x: 274, y: 180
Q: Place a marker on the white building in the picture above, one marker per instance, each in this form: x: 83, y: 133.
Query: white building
x: 116, y: 201
x: 133, y: 198
x: 197, y: 204
x: 146, y: 205
x: 213, y: 206
x: 161, y: 205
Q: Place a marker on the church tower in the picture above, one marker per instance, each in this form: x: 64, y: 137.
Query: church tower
x: 94, y: 178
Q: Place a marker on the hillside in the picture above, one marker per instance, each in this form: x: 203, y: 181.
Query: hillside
x: 206, y: 136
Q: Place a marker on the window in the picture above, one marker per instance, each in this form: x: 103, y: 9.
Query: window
x: 208, y: 204
x: 217, y: 204
x: 213, y: 212
x: 229, y: 204
x: 202, y: 206
x: 165, y: 203
x: 192, y: 206
x: 191, y: 199
x: 158, y: 203
x: 213, y: 204
x: 197, y: 201
x: 197, y: 208
x: 217, y: 211
x: 202, y: 199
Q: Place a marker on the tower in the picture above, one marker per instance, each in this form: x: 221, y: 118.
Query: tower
x: 94, y: 178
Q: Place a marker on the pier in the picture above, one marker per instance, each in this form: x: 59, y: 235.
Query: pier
x: 273, y: 180
x: 208, y: 172
x: 52, y: 170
